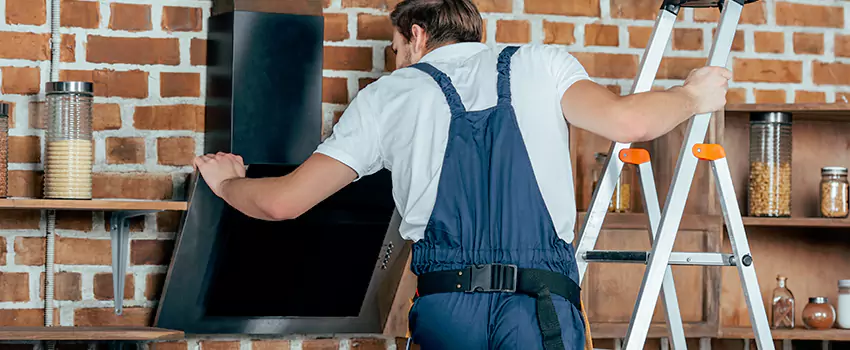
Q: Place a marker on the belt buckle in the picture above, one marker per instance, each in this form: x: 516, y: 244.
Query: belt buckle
x: 493, y: 278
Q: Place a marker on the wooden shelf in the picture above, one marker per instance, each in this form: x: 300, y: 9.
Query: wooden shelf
x: 796, y: 222
x: 93, y: 204
x: 808, y: 111
x: 795, y: 334
x: 88, y: 333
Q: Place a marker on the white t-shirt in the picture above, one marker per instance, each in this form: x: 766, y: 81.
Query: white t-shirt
x: 401, y: 123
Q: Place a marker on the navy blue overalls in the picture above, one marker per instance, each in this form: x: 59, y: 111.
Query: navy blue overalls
x: 489, y: 210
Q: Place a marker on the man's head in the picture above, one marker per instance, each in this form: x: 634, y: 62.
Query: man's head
x: 424, y: 25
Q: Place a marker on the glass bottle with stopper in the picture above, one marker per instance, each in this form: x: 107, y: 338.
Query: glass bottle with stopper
x: 621, y: 199
x: 782, y: 311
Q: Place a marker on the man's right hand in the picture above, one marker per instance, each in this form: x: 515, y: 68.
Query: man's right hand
x: 707, y: 87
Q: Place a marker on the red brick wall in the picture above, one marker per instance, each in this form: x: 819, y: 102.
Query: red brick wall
x: 146, y: 58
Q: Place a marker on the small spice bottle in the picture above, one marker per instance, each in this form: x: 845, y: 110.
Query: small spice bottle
x: 844, y: 304
x: 4, y: 149
x: 621, y: 199
x: 819, y: 313
x: 833, y: 192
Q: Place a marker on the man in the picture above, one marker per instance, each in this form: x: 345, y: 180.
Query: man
x: 477, y: 142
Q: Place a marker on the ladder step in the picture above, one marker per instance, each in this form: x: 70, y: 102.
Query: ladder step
x: 676, y: 258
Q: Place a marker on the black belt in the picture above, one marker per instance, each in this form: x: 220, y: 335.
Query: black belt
x: 540, y: 284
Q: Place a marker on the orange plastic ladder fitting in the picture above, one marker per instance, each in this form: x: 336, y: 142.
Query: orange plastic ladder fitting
x: 709, y: 151
x: 634, y: 156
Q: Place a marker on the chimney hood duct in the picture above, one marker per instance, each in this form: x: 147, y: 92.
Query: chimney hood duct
x: 333, y: 269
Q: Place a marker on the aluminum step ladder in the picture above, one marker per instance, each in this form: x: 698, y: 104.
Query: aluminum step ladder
x: 664, y: 225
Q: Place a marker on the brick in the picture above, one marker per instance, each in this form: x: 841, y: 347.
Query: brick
x: 68, y: 51
x: 386, y: 5
x: 368, y: 344
x: 348, y: 58
x: 616, y: 89
x: 830, y: 73
x: 29, y: 251
x: 76, y: 13
x: 180, y: 84
x: 362, y: 83
x: 484, y: 31
x: 74, y: 220
x: 12, y: 112
x: 66, y: 286
x: 372, y: 27
x: 21, y: 80
x: 103, y: 286
x: 14, y: 286
x: 182, y: 19
x: 24, y: 149
x: 689, y: 39
x: 509, y: 31
x: 32, y: 12
x: 82, y: 251
x: 153, y: 285
x: 736, y: 95
x: 135, y: 186
x: 20, y: 219
x: 809, y: 97
x: 3, y: 251
x: 770, y: 96
x: 793, y: 14
x: 678, y: 68
x: 170, y: 345
x: 561, y: 33
x: 25, y: 183
x: 337, y: 115
x: 132, y: 316
x: 753, y: 13
x: 125, y: 150
x: 601, y: 35
x: 22, y: 317
x: 218, y: 345
x: 639, y: 36
x: 168, y: 221
x: 130, y: 17
x: 768, y: 71
x: 808, y: 43
x: 389, y: 59
x: 769, y: 42
x: 103, y: 49
x: 634, y: 9
x: 606, y: 65
x: 198, y: 52
x: 842, y: 45
x: 320, y: 344
x: 106, y: 116
x: 336, y: 26
x: 174, y: 117
x: 26, y: 46
x: 335, y: 90
x: 176, y: 151
x: 111, y: 83
x: 494, y: 5
x: 589, y: 8
x: 151, y: 252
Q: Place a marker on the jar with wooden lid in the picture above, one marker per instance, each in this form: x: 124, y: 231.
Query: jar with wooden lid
x: 833, y: 192
x: 819, y: 313
x: 69, y: 154
x: 621, y: 199
x: 4, y: 150
x: 769, y: 186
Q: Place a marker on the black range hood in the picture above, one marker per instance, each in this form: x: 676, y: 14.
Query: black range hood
x: 331, y: 270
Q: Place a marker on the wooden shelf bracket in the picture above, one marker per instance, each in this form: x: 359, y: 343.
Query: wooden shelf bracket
x: 120, y: 237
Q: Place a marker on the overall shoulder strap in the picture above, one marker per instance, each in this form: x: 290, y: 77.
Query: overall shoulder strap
x: 504, y: 68
x: 445, y: 83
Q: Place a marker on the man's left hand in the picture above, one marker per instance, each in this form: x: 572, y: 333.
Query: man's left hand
x: 219, y: 168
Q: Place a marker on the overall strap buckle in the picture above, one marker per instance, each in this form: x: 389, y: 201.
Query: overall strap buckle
x: 492, y: 278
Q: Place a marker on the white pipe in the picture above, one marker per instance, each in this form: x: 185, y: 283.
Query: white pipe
x: 55, y: 40
x: 49, y: 276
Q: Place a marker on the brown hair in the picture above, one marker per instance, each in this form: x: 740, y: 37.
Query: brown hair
x: 445, y: 21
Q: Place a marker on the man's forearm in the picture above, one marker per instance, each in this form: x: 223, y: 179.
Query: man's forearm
x: 251, y: 196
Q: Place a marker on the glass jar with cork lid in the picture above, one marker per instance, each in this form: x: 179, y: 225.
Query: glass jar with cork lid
x: 69, y: 153
x: 621, y: 199
x: 769, y: 185
x: 833, y: 192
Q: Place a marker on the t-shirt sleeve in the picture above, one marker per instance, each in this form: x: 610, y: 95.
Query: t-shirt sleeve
x: 355, y: 140
x: 563, y: 66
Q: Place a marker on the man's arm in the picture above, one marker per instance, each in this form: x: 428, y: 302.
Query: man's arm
x: 644, y: 116
x: 274, y: 198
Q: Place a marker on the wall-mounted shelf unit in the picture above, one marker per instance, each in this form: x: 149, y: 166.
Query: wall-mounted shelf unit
x: 791, y: 334
x: 88, y: 333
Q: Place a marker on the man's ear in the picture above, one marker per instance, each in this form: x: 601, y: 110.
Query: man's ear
x: 419, y: 38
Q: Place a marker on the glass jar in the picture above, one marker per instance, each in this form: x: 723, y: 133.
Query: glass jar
x: 782, y: 306
x: 844, y: 304
x: 819, y: 313
x: 4, y: 150
x: 69, y: 154
x: 621, y: 199
x: 770, y: 164
x: 833, y: 192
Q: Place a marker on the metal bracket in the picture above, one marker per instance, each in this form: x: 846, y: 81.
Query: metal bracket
x: 119, y: 227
